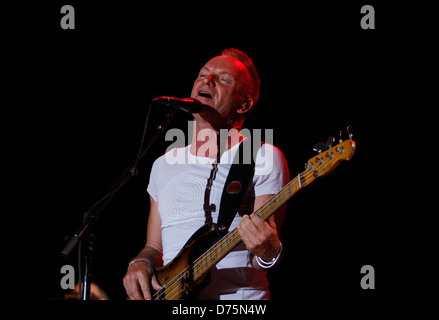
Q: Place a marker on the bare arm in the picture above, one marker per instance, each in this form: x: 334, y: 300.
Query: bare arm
x: 140, y: 275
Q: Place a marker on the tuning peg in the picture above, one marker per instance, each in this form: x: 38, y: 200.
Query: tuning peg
x: 319, y: 147
x: 329, y: 143
x: 348, y: 129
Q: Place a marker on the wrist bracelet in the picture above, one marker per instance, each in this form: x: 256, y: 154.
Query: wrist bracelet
x: 268, y: 264
x: 137, y: 260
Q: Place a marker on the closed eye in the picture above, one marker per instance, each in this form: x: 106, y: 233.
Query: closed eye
x: 226, y: 80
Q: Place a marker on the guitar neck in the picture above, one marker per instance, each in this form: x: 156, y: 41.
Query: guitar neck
x: 220, y: 249
x: 320, y: 165
x: 278, y: 200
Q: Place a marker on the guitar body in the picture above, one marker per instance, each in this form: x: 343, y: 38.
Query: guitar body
x: 199, y: 242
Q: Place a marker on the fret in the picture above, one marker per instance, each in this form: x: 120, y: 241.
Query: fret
x: 182, y: 282
x: 274, y: 203
x: 226, y: 244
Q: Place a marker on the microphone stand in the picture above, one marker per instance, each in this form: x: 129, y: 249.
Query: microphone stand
x: 84, y: 236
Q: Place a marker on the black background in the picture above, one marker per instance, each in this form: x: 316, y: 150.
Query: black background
x: 74, y: 104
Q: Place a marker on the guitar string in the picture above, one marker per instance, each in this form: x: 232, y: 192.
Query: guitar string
x: 202, y: 261
x: 284, y: 194
x: 233, y: 238
x: 234, y: 235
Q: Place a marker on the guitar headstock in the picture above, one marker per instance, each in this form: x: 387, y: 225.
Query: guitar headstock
x: 325, y: 162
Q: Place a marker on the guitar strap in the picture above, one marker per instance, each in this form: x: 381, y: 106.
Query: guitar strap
x: 235, y: 188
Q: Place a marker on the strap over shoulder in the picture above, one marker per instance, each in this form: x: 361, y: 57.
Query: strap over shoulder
x: 235, y: 188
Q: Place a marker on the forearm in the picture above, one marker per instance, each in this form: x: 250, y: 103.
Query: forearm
x: 152, y: 255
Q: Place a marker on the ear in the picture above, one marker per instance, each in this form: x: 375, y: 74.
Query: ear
x: 247, y: 105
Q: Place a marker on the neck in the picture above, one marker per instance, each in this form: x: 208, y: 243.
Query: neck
x: 208, y: 141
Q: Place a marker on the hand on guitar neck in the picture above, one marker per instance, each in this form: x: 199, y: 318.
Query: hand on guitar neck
x: 261, y: 236
x: 259, y: 232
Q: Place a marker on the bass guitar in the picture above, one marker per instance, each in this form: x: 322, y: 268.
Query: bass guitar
x: 203, y: 250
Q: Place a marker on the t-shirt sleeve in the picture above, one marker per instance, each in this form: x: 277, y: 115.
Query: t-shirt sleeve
x: 152, y: 185
x: 271, y: 171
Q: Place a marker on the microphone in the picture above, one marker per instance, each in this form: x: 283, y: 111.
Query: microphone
x: 188, y: 105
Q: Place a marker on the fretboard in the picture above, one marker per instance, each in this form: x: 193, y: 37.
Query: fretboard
x: 220, y: 249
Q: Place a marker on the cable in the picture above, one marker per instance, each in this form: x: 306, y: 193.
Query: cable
x: 133, y: 169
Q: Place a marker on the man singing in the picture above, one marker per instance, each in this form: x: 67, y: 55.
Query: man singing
x: 228, y: 87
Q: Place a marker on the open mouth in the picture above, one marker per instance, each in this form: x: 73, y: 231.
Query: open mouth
x: 205, y: 94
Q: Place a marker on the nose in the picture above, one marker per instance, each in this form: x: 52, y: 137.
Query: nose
x: 209, y: 80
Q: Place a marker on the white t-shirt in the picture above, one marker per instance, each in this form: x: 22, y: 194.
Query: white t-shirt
x: 178, y: 182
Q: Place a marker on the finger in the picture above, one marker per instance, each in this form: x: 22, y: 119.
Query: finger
x: 253, y: 225
x: 254, y: 230
x: 155, y: 283
x: 135, y: 295
x: 144, y: 286
x: 248, y: 232
x: 247, y: 224
x: 244, y: 226
x: 132, y: 288
x: 265, y: 228
x: 258, y: 222
x: 271, y: 221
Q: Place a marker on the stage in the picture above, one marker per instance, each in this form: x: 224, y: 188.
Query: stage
x: 74, y: 107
